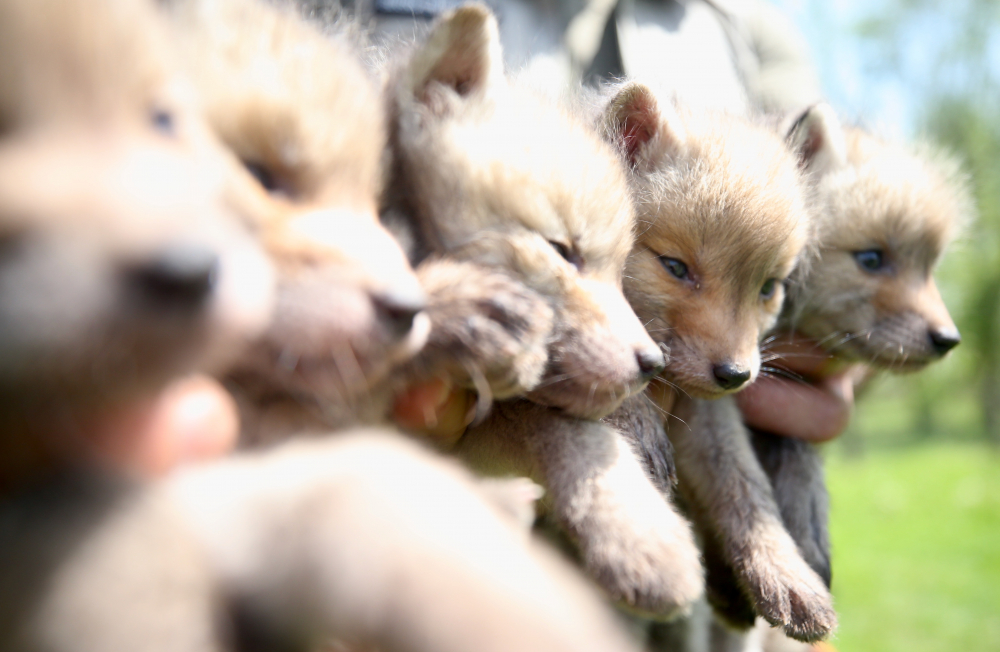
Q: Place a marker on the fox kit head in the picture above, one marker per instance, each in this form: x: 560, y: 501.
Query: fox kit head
x: 495, y: 176
x: 121, y: 264
x: 301, y: 115
x: 722, y: 221
x: 886, y: 214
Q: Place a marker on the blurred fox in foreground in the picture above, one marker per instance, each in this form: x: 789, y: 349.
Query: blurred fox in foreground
x: 123, y: 266
x: 348, y: 304
x: 365, y: 537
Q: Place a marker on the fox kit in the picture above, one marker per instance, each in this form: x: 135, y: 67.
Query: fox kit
x: 123, y: 265
x: 886, y: 214
x: 725, y: 218
x: 392, y: 547
x: 491, y: 175
x: 301, y: 115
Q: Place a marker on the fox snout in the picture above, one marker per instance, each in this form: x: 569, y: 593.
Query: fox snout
x: 108, y: 281
x: 912, y: 325
x: 363, y: 258
x: 602, y: 353
x: 941, y: 330
x: 179, y: 276
x: 944, y: 340
x: 702, y: 371
x: 729, y: 376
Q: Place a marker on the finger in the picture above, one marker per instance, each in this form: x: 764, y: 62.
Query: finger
x: 801, y: 355
x: 814, y: 413
x: 435, y: 409
x: 193, y: 419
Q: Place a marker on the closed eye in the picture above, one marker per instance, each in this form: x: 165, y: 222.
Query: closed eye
x: 569, y: 254
x: 264, y: 176
x: 677, y: 268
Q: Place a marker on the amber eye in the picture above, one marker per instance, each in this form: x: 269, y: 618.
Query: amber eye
x: 676, y: 268
x: 870, y: 260
x: 767, y: 290
x: 568, y: 254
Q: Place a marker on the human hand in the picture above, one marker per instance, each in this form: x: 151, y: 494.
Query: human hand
x: 436, y: 409
x: 815, y: 406
x: 193, y: 419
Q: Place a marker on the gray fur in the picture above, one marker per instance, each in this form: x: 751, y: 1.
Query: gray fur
x: 736, y: 505
x: 628, y: 537
x: 493, y: 175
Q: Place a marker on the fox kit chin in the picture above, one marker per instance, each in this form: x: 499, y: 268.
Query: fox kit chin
x: 886, y: 213
x: 298, y: 111
x: 724, y: 219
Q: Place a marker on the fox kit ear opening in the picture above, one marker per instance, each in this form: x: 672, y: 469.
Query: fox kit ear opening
x: 633, y: 120
x: 818, y: 139
x: 462, y: 55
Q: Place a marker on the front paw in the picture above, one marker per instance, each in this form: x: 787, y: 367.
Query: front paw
x: 486, y: 327
x: 655, y: 579
x: 795, y: 470
x: 786, y: 591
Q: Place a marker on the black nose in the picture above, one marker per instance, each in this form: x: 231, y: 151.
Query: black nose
x: 179, y: 276
x: 944, y: 340
x: 397, y: 309
x: 651, y: 362
x: 727, y: 376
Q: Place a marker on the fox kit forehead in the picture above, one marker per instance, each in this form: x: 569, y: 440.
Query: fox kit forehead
x: 531, y: 166
x: 889, y: 196
x: 271, y: 83
x: 724, y: 193
x: 84, y: 77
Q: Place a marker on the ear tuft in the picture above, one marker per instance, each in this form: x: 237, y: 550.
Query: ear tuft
x: 461, y: 53
x: 631, y: 120
x: 818, y: 139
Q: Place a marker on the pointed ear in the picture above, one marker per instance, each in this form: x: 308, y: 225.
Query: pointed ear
x: 631, y: 120
x: 461, y: 53
x: 818, y: 139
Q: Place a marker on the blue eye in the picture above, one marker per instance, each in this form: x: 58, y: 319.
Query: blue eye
x: 870, y: 260
x: 163, y: 121
x: 767, y: 290
x: 676, y: 267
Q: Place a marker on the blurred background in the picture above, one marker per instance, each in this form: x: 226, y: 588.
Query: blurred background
x: 915, y: 482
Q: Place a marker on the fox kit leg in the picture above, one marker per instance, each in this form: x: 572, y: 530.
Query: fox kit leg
x: 94, y: 564
x: 630, y: 539
x: 369, y: 538
x: 730, y: 496
x: 488, y: 330
x: 796, y: 473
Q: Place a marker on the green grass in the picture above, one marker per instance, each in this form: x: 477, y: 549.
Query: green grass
x: 916, y: 536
